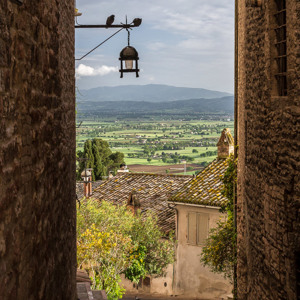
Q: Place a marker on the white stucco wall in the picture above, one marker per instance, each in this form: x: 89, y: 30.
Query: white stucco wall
x: 191, y: 277
x: 158, y: 286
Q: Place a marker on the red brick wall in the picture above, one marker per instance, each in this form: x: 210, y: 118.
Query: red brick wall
x: 268, y: 168
x: 37, y: 150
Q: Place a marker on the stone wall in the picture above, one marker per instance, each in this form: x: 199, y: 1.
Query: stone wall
x: 268, y: 164
x: 37, y: 150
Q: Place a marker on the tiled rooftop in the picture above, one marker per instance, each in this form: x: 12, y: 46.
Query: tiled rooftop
x: 152, y: 191
x: 205, y: 188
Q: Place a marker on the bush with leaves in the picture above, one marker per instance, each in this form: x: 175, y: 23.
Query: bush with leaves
x: 103, y: 245
x: 112, y: 241
x: 137, y: 268
x: 220, y: 247
x: 159, y: 251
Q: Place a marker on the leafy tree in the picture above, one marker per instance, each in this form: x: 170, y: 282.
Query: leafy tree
x: 147, y: 151
x: 88, y: 151
x: 220, y: 247
x: 195, y: 151
x: 98, y: 168
x: 116, y: 159
x: 111, y: 241
x: 137, y: 268
x: 159, y: 252
x: 100, y: 158
x: 102, y: 246
x: 149, y: 159
x: 104, y: 150
x: 104, y: 255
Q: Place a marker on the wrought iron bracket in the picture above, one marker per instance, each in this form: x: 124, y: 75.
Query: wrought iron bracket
x: 107, y: 26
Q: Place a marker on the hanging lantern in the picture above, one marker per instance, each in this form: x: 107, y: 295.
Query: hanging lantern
x: 129, y: 61
x: 129, y: 58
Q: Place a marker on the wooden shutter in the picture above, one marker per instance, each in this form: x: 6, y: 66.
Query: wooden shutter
x: 202, y: 228
x: 192, y: 228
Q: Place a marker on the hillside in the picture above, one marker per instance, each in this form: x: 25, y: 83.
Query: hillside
x: 216, y: 105
x: 149, y: 93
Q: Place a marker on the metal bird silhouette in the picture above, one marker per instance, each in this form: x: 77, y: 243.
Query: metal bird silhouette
x: 110, y: 20
x: 137, y: 22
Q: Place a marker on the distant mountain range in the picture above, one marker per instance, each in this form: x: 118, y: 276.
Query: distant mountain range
x: 191, y: 106
x: 150, y: 93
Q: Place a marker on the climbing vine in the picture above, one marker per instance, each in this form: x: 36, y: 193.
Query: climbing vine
x: 220, y: 248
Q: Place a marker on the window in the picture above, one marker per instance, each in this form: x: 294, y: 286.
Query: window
x: 280, y: 45
x: 197, y: 231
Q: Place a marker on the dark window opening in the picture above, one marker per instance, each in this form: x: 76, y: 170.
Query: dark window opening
x: 280, y: 44
x: 147, y: 281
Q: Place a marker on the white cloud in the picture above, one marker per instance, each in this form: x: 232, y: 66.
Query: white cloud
x: 156, y: 46
x: 83, y: 70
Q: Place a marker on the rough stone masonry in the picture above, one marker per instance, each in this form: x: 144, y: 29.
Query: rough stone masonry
x: 37, y: 150
x: 268, y: 92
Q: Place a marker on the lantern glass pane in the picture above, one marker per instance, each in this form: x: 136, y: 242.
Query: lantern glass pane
x: 129, y: 64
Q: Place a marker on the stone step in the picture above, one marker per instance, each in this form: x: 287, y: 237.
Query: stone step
x: 99, y: 295
x: 84, y: 292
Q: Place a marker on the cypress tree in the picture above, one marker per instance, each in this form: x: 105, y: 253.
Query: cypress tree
x: 99, y: 169
x: 88, y: 151
x: 100, y: 158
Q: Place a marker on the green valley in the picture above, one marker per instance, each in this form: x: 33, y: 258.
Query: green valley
x: 158, y: 140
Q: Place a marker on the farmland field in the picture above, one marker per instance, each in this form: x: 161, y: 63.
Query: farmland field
x: 158, y: 144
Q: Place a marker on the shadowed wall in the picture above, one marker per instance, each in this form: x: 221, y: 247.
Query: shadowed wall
x: 37, y: 150
x: 268, y: 140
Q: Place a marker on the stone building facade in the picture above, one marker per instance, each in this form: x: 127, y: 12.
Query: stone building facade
x: 268, y: 196
x: 37, y: 150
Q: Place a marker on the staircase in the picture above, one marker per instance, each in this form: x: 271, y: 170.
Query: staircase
x: 84, y: 291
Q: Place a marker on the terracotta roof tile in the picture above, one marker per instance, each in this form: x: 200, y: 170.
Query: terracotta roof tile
x: 152, y: 190
x: 205, y: 188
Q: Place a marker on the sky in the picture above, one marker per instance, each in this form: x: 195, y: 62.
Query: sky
x: 185, y: 43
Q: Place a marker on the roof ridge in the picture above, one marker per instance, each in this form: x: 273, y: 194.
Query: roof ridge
x: 155, y: 174
x: 205, y: 188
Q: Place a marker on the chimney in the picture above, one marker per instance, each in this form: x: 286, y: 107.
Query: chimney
x: 225, y: 144
x: 133, y: 202
x: 86, y: 176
